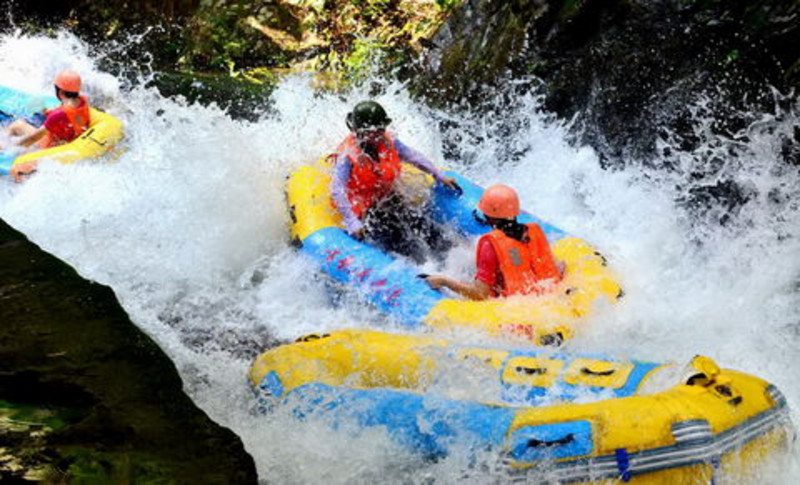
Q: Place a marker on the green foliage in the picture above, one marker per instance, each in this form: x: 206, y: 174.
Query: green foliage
x: 345, y: 40
x: 36, y: 416
x: 89, y: 467
x: 363, y: 59
x: 448, y: 4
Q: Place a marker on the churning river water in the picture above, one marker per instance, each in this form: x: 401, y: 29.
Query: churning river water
x: 189, y: 228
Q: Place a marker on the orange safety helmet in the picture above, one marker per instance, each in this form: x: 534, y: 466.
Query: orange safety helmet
x: 499, y: 202
x: 68, y: 80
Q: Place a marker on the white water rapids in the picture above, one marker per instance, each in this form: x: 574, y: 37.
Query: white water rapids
x: 188, y: 227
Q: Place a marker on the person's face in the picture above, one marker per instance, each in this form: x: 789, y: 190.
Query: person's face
x: 371, y: 135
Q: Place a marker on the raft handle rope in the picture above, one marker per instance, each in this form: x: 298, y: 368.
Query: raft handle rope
x: 534, y: 443
x: 600, y: 373
x: 697, y: 380
x: 531, y: 370
x: 726, y: 391
x: 312, y: 336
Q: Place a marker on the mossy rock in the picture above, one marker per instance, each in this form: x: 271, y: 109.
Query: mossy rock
x: 242, y: 95
x: 87, y: 397
x: 622, y: 71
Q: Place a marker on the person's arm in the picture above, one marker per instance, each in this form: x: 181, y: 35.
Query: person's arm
x: 341, y: 175
x: 56, y: 122
x: 474, y: 290
x: 485, y: 278
x: 33, y: 137
x: 417, y: 159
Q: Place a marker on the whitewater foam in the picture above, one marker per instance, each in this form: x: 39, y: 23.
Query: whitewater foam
x: 188, y: 226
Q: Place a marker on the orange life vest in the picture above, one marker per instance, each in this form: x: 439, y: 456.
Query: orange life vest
x: 78, y: 117
x: 370, y: 180
x: 524, y: 265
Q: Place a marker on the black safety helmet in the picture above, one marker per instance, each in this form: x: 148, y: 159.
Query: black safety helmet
x: 367, y: 115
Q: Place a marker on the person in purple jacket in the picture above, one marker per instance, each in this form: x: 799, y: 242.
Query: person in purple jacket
x: 364, y: 187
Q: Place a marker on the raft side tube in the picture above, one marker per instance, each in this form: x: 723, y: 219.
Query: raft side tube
x: 388, y: 283
x: 358, y: 379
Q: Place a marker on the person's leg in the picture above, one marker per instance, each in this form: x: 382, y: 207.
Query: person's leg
x: 425, y: 230
x: 388, y: 225
x: 21, y: 128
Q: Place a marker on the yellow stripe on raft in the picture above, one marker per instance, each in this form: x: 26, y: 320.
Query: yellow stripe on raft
x: 104, y: 132
x: 309, y: 197
x: 358, y: 358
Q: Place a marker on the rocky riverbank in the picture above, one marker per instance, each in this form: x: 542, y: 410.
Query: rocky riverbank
x: 87, y: 397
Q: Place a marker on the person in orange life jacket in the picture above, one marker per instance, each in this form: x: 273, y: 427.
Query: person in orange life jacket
x: 61, y: 125
x: 512, y: 259
x: 366, y: 169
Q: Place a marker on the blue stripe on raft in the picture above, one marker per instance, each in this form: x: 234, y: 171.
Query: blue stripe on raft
x: 457, y: 211
x: 635, y: 379
x: 429, y: 425
x: 388, y: 283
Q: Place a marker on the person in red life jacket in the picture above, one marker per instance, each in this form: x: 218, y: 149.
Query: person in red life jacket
x: 61, y: 125
x: 512, y: 259
x: 365, y: 178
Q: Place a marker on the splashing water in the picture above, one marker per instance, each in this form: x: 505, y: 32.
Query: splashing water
x: 188, y: 227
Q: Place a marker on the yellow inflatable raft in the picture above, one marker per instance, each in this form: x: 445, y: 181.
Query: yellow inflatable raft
x: 391, y: 284
x: 103, y: 134
x: 550, y: 416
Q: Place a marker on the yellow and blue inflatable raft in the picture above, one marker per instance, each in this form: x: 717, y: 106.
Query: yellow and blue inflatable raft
x: 104, y: 132
x: 548, y: 415
x: 391, y: 284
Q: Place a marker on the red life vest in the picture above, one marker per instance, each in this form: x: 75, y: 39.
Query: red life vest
x: 370, y: 180
x: 524, y: 265
x: 78, y: 117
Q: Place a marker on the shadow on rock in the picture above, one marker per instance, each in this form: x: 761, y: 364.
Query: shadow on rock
x: 85, y: 395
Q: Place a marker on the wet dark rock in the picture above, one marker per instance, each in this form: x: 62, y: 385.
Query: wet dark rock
x: 719, y: 200
x: 86, y: 395
x: 664, y: 85
x: 625, y: 69
x: 240, y: 99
